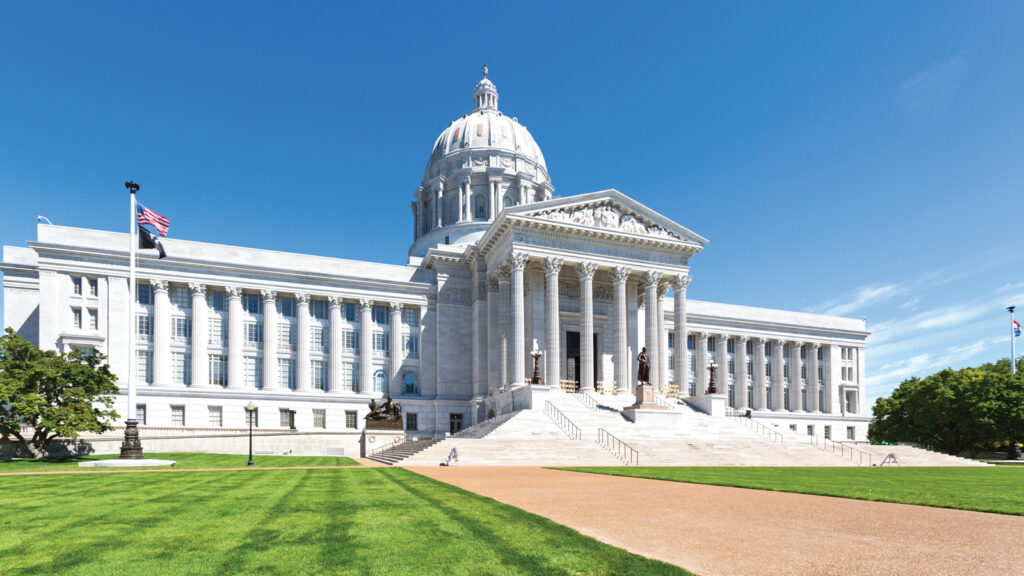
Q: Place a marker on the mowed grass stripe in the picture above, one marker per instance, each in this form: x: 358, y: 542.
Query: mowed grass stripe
x: 339, y: 521
x: 186, y: 460
x: 993, y: 489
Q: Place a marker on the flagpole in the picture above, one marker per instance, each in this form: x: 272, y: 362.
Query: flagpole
x: 132, y: 363
x: 1013, y: 336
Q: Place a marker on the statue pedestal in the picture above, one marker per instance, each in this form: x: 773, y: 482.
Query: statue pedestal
x: 375, y: 439
x: 645, y: 398
x: 648, y: 412
x: 710, y: 404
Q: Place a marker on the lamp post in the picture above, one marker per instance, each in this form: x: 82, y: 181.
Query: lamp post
x: 712, y: 389
x: 250, y: 410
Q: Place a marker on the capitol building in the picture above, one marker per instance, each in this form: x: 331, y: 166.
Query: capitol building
x: 502, y: 273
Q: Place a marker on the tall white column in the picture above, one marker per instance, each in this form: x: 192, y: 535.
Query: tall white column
x: 516, y: 263
x: 587, y: 270
x: 778, y: 383
x: 741, y: 373
x: 440, y: 203
x: 662, y: 380
x: 722, y: 359
x: 553, y: 331
x: 468, y: 194
x: 493, y: 332
x: 302, y: 363
x: 462, y: 202
x: 366, y: 346
x: 504, y: 279
x: 794, y: 377
x: 682, y: 362
x: 269, y: 339
x: 334, y: 345
x: 651, y: 281
x: 200, y: 336
x: 161, y: 334
x: 394, y: 386
x: 833, y: 371
x: 622, y: 360
x: 812, y: 377
x: 702, y: 363
x: 759, y: 380
x: 495, y: 200
x: 236, y: 363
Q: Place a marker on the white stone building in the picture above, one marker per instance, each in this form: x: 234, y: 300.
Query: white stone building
x: 498, y: 266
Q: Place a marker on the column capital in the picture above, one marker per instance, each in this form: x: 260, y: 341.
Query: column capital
x: 334, y: 301
x: 814, y: 345
x: 492, y: 283
x: 758, y: 339
x: 652, y: 278
x: 158, y: 286
x: 586, y: 270
x: 517, y: 261
x: 233, y: 292
x: 396, y: 306
x: 680, y: 282
x: 197, y: 289
x: 268, y: 295
x: 553, y: 265
x: 662, y: 290
x: 504, y: 275
x: 365, y: 304
x: 721, y: 337
x: 620, y: 274
x: 699, y: 335
x: 301, y: 298
x: 742, y: 339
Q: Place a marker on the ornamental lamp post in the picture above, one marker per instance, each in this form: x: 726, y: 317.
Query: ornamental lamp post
x: 712, y: 389
x: 250, y: 410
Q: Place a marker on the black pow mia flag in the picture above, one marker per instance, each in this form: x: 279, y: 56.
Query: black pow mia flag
x: 149, y: 240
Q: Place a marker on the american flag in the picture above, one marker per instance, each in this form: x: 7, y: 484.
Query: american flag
x: 147, y: 216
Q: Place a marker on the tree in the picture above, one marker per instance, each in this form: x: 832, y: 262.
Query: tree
x: 57, y: 395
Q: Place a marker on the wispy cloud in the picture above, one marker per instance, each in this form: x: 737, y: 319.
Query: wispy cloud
x: 934, y: 88
x: 864, y: 296
x: 910, y: 304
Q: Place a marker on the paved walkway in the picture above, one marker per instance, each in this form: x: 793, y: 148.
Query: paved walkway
x: 715, y: 530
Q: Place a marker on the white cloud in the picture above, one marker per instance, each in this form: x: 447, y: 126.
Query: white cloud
x: 934, y: 88
x: 910, y: 304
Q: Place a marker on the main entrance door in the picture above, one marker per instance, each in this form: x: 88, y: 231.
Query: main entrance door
x: 572, y: 357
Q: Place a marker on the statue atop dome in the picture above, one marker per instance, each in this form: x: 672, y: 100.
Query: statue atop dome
x: 485, y: 71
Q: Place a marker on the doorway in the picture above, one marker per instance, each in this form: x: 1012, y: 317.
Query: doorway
x: 454, y: 423
x: 572, y: 358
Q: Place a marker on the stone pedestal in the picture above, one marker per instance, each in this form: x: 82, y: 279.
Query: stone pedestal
x: 646, y: 411
x: 645, y: 398
x: 710, y: 404
x: 131, y: 446
x: 375, y: 439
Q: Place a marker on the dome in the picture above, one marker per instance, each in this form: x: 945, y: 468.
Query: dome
x: 481, y: 163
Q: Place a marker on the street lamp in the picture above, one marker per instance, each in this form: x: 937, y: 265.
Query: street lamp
x: 250, y: 410
x: 712, y: 389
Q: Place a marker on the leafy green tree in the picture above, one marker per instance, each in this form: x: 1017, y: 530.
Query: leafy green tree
x: 56, y: 395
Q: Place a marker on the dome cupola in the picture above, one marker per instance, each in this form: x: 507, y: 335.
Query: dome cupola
x: 482, y: 163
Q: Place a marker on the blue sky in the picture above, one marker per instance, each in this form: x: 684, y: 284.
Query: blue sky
x: 861, y: 159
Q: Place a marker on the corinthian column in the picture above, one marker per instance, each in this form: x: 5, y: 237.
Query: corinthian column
x: 794, y: 377
x: 334, y: 345
x: 302, y: 365
x: 778, y: 383
x: 759, y: 379
x: 586, y: 270
x: 200, y: 336
x: 682, y: 366
x: 662, y: 379
x: 651, y: 281
x: 622, y: 361
x: 552, y: 344
x: 236, y: 379
x: 394, y: 386
x: 493, y: 331
x: 702, y: 363
x: 504, y: 373
x: 516, y: 264
x: 161, y: 333
x: 812, y: 378
x: 269, y: 339
x: 740, y: 384
x: 366, y: 346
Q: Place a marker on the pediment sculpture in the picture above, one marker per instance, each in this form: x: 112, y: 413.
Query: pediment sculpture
x: 605, y: 216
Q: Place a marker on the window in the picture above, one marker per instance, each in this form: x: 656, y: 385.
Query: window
x: 730, y: 346
x: 286, y: 336
x: 671, y: 340
x: 181, y: 330
x: 319, y: 418
x: 251, y: 303
x: 76, y: 318
x: 410, y: 384
x: 144, y: 366
x: 711, y: 344
x: 287, y: 420
x: 785, y: 398
x: 380, y: 343
x: 690, y: 342
x: 253, y: 372
x: 350, y: 376
x: 318, y: 308
x: 140, y: 413
x: 253, y: 334
x: 821, y: 399
x: 411, y: 421
x: 181, y: 367
x: 286, y: 373
x: 350, y: 312
x: 828, y: 432
x: 318, y: 336
x: 252, y: 417
x: 180, y: 297
x: 380, y: 315
x: 411, y: 345
x: 380, y: 381
x: 286, y: 306
x: 803, y: 399
x: 750, y: 370
x: 218, y: 370
x: 792, y: 427
x: 479, y: 208
x: 215, y: 300
x: 144, y: 294
x: 94, y: 287
x: 143, y: 326
x: 93, y: 320
x: 177, y: 415
x: 350, y: 419
x: 218, y: 332
x: 216, y: 416
x: 810, y: 430
x: 349, y: 341
x: 506, y: 202
x: 411, y: 317
x: 76, y: 285
x: 769, y: 398
x: 850, y: 433
x: 318, y: 371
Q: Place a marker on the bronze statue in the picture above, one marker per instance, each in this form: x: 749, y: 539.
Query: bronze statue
x: 643, y: 367
x: 389, y: 411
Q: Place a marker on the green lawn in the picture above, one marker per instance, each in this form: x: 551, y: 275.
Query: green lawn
x: 183, y: 459
x: 343, y: 521
x: 984, y: 489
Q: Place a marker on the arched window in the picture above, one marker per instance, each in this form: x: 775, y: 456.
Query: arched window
x: 506, y: 202
x: 480, y: 208
x: 380, y: 381
x: 410, y: 385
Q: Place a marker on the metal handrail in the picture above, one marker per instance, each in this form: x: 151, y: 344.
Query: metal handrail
x: 562, y: 421
x: 629, y: 455
x: 844, y: 451
x: 664, y: 401
x: 774, y: 436
x: 390, y: 446
x: 587, y: 400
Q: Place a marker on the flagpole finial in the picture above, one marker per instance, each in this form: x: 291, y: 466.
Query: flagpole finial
x: 1010, y: 309
x: 131, y: 185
